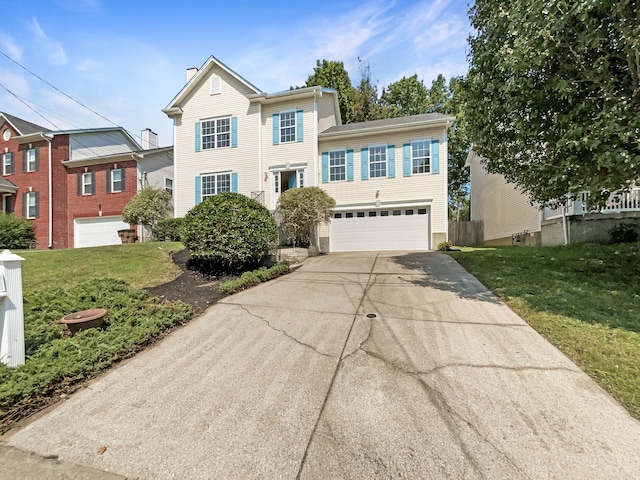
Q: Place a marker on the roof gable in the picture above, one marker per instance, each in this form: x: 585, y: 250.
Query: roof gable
x: 21, y: 126
x: 196, y: 80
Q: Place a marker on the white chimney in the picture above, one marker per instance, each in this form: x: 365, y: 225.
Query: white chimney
x: 149, y: 139
x: 191, y: 72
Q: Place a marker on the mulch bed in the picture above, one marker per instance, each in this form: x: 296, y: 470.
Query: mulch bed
x: 191, y: 287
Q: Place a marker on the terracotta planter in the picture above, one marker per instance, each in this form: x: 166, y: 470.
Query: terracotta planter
x: 84, y: 319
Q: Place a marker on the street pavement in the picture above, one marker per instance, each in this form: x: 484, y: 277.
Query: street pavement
x: 357, y: 365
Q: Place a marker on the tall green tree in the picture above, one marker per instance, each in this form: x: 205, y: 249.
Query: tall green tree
x: 553, y: 94
x: 332, y: 74
x: 367, y: 106
x: 407, y: 96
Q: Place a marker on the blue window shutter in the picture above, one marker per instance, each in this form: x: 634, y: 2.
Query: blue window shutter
x: 234, y: 132
x: 198, y: 142
x: 325, y: 167
x: 198, y: 190
x: 406, y: 160
x: 364, y: 161
x: 234, y: 182
x: 276, y: 128
x: 299, y: 126
x: 391, y: 161
x: 349, y: 165
x: 435, y: 156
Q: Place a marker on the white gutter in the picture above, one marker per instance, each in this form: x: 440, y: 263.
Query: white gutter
x: 50, y: 193
x: 446, y: 182
x: 260, y: 151
x: 315, y: 137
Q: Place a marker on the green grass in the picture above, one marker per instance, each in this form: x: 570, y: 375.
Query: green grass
x: 139, y: 264
x: 585, y: 299
x: 60, y: 282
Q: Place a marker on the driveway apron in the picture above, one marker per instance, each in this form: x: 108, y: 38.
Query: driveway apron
x: 359, y: 365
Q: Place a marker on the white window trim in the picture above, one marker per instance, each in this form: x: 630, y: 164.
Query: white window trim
x: 85, y: 184
x: 31, y: 195
x: 113, y: 182
x: 428, y: 141
x: 5, y: 197
x: 215, y: 183
x: 170, y: 190
x: 29, y: 161
x: 294, y: 126
x: 215, y: 121
x: 334, y: 150
x: 386, y: 160
x: 5, y: 156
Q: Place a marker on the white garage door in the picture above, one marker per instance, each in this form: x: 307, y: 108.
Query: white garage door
x: 97, y: 231
x: 385, y: 229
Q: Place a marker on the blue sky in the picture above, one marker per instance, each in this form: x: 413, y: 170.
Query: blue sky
x: 126, y: 59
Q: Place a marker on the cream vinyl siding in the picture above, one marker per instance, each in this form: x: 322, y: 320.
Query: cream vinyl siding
x: 243, y: 159
x: 326, y: 112
x: 504, y: 209
x: 417, y: 188
x: 294, y: 153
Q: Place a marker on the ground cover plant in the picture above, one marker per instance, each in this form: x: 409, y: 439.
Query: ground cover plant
x: 253, y: 278
x: 59, y: 282
x: 585, y: 299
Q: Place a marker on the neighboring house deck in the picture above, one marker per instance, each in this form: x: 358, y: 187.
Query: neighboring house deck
x: 510, y: 218
x: 389, y: 177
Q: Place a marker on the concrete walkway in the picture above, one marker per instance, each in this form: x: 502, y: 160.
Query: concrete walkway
x: 364, y: 365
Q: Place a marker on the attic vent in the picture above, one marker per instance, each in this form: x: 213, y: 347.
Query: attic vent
x: 215, y: 85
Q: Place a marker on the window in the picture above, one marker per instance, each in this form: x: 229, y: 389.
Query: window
x: 420, y: 158
x: 408, y: 212
x: 117, y: 180
x: 349, y: 215
x: 384, y: 213
x: 372, y: 214
x: 337, y: 166
x: 396, y: 213
x: 378, y: 161
x: 32, y: 160
x: 337, y: 215
x: 168, y: 185
x: 216, y: 133
x: 87, y: 183
x: 212, y: 184
x: 31, y: 205
x: 7, y: 163
x: 288, y: 127
x: 422, y: 211
x: 360, y: 214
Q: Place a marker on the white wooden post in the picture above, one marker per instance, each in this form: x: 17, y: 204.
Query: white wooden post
x: 11, y: 312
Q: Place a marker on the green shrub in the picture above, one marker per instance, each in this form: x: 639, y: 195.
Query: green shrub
x: 229, y: 232
x: 302, y: 210
x: 168, y: 229
x: 16, y: 232
x: 443, y: 246
x: 251, y: 279
x: 624, y: 233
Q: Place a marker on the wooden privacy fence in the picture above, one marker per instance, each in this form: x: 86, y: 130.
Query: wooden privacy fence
x: 467, y: 234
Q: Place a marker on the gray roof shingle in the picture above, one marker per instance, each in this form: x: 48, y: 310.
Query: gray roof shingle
x: 24, y: 127
x: 386, y: 123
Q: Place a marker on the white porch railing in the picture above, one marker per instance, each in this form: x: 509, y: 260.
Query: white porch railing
x: 617, y: 202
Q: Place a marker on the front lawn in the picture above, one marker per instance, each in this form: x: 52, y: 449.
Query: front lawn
x: 585, y: 299
x: 60, y: 282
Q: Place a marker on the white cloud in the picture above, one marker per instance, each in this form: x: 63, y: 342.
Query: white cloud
x: 16, y: 83
x: 10, y: 47
x: 52, y: 48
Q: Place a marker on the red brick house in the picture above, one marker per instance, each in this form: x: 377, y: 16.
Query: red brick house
x: 72, y: 184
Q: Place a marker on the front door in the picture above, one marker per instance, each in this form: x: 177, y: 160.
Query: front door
x: 283, y: 180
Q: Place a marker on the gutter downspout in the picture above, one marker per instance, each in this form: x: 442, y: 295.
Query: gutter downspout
x: 315, y: 153
x: 260, y: 152
x: 50, y: 193
x: 446, y: 185
x: 564, y: 225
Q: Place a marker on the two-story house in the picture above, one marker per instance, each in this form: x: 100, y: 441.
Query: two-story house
x: 388, y: 177
x: 72, y: 184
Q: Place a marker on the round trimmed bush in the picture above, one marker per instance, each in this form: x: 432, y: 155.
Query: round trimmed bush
x: 229, y: 232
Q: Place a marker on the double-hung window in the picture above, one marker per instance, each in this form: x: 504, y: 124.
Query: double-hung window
x: 337, y: 166
x: 87, y: 183
x: 288, y: 126
x: 7, y: 164
x: 378, y: 161
x: 116, y: 180
x: 420, y: 157
x: 168, y: 185
x: 216, y: 133
x: 32, y: 161
x: 31, y: 205
x: 215, y: 183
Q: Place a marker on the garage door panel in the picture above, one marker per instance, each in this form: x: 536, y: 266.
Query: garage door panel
x: 97, y: 231
x: 390, y: 232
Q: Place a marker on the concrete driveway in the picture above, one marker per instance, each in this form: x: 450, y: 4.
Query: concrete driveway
x: 361, y: 365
